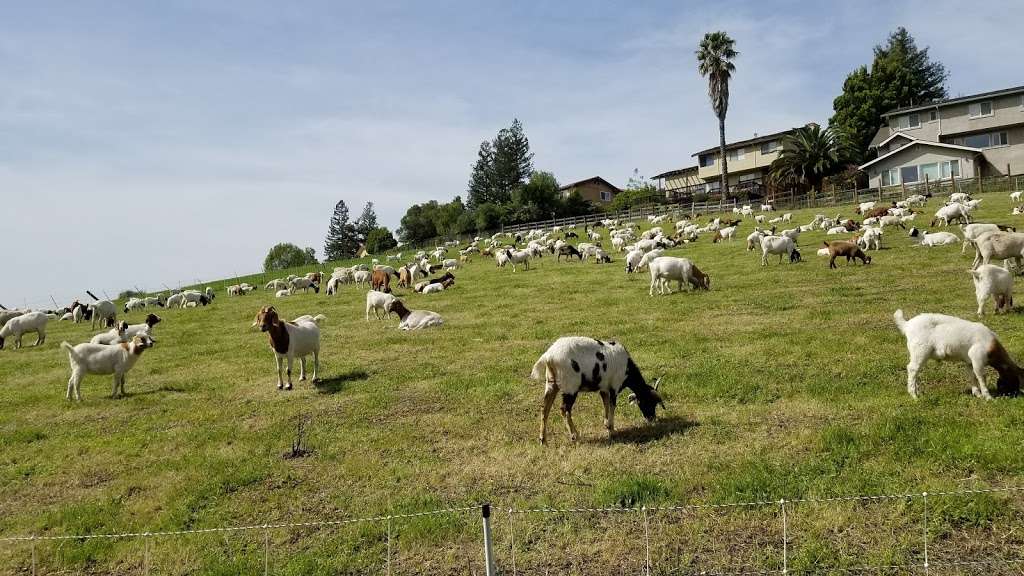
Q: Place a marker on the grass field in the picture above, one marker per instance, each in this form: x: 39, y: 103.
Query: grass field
x: 782, y: 382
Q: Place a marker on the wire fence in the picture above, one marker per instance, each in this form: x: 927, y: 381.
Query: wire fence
x: 948, y: 531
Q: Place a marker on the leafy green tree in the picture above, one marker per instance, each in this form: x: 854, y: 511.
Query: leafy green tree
x: 342, y: 237
x: 380, y: 240
x: 575, y: 205
x: 366, y: 223
x: 809, y: 155
x: 488, y: 217
x: 901, y: 74
x: 418, y: 223
x: 714, y: 61
x: 448, y: 218
x: 286, y: 255
x: 538, y: 199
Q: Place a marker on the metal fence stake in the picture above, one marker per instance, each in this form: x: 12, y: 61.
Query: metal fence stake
x: 33, y: 556
x: 925, y: 496
x: 512, y: 540
x: 785, y: 538
x: 647, y: 541
x: 389, y: 547
x: 266, y: 550
x: 485, y: 511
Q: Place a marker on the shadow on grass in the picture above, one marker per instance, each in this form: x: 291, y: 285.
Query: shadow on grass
x: 663, y: 427
x: 129, y: 394
x: 336, y: 384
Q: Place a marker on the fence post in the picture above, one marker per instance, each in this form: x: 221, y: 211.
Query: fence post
x: 978, y: 177
x: 925, y: 496
x: 785, y: 538
x: 485, y: 510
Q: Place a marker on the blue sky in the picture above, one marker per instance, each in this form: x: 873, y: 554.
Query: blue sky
x: 155, y: 142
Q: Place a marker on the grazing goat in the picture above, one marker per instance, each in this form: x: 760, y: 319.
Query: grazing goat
x: 665, y: 269
x: 845, y: 248
x: 951, y: 213
x: 303, y: 284
x: 974, y: 231
x: 568, y: 250
x: 19, y: 325
x: 779, y: 245
x: 999, y: 246
x: 104, y: 311
x: 380, y: 281
x: 116, y: 359
x: 991, y: 281
x: 941, y: 337
x: 377, y: 301
x: 574, y: 364
x: 412, y: 319
x: 296, y: 339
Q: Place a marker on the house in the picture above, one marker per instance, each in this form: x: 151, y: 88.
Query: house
x: 680, y: 184
x: 965, y: 137
x: 596, y: 190
x: 749, y: 162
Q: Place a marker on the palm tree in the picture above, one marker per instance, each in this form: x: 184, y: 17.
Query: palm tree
x: 714, y: 62
x: 808, y: 155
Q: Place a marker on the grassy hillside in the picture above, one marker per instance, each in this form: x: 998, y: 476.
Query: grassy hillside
x: 782, y: 382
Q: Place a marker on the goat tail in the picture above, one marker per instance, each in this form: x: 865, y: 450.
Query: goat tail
x: 901, y: 322
x: 539, y: 369
x: 70, y: 350
x: 319, y: 319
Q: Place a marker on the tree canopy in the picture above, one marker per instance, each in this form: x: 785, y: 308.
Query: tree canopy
x: 714, y: 62
x: 901, y: 74
x: 502, y: 165
x: 809, y: 155
x: 287, y: 255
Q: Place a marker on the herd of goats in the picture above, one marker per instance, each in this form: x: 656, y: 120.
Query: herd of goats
x: 576, y: 364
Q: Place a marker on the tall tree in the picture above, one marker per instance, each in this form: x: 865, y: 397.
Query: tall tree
x: 513, y: 161
x: 366, y: 223
x: 810, y: 154
x: 480, y: 180
x: 342, y: 238
x: 380, y: 240
x: 901, y: 74
x: 714, y: 61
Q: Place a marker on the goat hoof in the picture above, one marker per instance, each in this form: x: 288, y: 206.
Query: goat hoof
x: 289, y: 386
x: 280, y: 386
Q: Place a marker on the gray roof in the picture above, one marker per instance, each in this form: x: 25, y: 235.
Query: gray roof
x: 676, y: 172
x: 958, y: 100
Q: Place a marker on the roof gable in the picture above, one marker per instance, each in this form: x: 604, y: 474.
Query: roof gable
x: 920, y: 143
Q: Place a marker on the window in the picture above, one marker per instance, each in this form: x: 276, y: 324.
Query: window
x: 769, y: 146
x: 736, y: 154
x: 714, y: 186
x: 983, y: 140
x: 929, y: 171
x: 606, y: 196
x: 908, y: 121
x: 979, y: 109
x: 753, y: 176
x: 707, y: 160
x: 933, y: 115
x: 950, y: 167
x: 890, y: 177
x: 908, y: 174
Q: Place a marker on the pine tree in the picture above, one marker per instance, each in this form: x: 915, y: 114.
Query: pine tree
x: 342, y: 238
x: 366, y: 222
x: 901, y: 74
x: 513, y: 162
x: 479, y: 189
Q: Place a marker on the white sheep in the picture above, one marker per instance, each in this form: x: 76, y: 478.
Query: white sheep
x: 665, y: 269
x: 941, y: 337
x: 19, y: 325
x: 573, y: 364
x: 994, y: 282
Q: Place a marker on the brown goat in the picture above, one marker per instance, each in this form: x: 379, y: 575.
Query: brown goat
x: 878, y: 211
x: 404, y: 277
x: 380, y: 281
x: 845, y: 248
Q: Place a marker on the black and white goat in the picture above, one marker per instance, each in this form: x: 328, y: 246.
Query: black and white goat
x: 574, y: 364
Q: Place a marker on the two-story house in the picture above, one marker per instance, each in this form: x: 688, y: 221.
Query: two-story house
x: 679, y: 184
x: 596, y: 190
x: 965, y: 137
x: 749, y: 162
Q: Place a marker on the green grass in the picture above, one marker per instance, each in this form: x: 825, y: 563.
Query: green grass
x: 782, y: 382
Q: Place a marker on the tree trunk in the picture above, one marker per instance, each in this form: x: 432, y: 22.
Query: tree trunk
x: 721, y: 151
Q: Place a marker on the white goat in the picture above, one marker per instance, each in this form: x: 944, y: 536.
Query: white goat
x: 941, y: 337
x: 116, y: 359
x: 378, y: 302
x: 665, y: 269
x: 994, y: 282
x: 778, y: 245
x: 19, y: 325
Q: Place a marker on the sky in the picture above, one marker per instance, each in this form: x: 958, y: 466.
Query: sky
x: 152, y: 143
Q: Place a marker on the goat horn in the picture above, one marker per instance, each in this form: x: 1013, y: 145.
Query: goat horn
x: 657, y: 383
